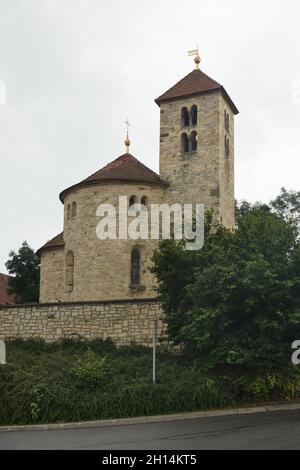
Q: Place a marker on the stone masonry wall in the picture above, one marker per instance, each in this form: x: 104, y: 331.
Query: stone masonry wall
x: 124, y: 322
x: 52, y: 286
x: 102, y: 268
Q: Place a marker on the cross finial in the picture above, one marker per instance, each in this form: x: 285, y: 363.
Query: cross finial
x: 127, y: 140
x: 197, y: 59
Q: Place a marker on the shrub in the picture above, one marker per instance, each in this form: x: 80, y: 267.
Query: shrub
x: 90, y: 368
x: 88, y: 380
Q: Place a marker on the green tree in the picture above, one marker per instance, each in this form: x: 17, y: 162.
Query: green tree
x: 236, y: 301
x: 287, y: 205
x: 24, y: 266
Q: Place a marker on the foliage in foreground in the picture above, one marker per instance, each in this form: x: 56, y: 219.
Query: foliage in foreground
x: 24, y: 266
x: 237, y: 301
x: 79, y: 380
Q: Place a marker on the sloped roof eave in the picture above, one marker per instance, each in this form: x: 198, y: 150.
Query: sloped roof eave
x: 83, y: 184
x: 55, y: 242
x: 213, y: 90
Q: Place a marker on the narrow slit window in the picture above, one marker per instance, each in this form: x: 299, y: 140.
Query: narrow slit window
x: 185, y: 118
x: 69, y: 271
x: 132, y: 200
x: 74, y: 209
x: 194, y: 115
x: 184, y: 142
x: 194, y: 141
x: 144, y: 202
x: 227, y: 147
x: 226, y: 119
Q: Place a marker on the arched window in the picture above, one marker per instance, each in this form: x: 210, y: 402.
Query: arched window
x: 144, y: 201
x: 135, y: 267
x: 227, y: 147
x: 185, y: 118
x: 69, y: 271
x: 132, y: 200
x: 184, y: 142
x: 73, y: 212
x: 194, y: 115
x: 68, y: 212
x: 194, y: 141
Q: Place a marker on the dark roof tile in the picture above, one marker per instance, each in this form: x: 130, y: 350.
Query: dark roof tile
x: 57, y: 241
x: 124, y: 168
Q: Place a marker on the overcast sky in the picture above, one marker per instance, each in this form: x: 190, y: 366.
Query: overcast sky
x: 74, y: 69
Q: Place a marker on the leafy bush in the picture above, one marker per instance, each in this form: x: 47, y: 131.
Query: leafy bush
x: 90, y: 368
x: 236, y: 301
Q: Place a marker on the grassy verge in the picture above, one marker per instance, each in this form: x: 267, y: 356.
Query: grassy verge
x: 80, y: 380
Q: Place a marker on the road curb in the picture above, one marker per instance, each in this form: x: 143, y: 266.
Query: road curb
x: 152, y: 419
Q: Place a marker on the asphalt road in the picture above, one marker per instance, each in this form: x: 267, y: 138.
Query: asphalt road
x: 272, y: 430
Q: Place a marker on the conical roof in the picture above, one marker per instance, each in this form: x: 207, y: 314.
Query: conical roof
x: 55, y: 242
x: 124, y: 168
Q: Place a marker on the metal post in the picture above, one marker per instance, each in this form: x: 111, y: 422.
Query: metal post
x: 154, y: 350
x: 2, y: 352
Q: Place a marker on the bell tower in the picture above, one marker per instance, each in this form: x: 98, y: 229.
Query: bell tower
x: 197, y: 143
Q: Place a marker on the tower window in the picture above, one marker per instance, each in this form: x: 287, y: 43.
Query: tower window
x: 194, y: 115
x: 226, y: 121
x: 132, y: 200
x: 185, y: 117
x: 227, y: 147
x: 69, y: 271
x: 144, y: 201
x: 184, y: 142
x: 68, y: 212
x: 194, y: 141
x: 135, y: 267
x: 74, y: 209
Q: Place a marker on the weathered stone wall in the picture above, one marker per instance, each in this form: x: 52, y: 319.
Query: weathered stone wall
x: 123, y: 322
x: 52, y: 275
x: 102, y: 268
x: 227, y: 209
x: 199, y: 176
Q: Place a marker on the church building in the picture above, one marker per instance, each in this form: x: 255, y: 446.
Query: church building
x: 196, y: 164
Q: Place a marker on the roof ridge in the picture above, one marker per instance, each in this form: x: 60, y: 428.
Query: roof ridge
x: 123, y: 168
x: 143, y: 165
x: 189, y: 75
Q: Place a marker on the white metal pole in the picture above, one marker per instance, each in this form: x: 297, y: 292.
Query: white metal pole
x: 2, y: 352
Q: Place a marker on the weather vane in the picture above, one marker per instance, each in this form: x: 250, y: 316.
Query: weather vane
x: 195, y: 53
x: 127, y: 140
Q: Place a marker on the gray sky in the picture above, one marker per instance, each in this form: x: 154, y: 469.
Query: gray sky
x: 74, y: 69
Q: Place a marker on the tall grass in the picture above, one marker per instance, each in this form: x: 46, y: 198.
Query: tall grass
x: 87, y: 380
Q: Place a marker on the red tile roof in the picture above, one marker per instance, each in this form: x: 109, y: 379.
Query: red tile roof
x: 57, y: 241
x: 124, y: 168
x: 5, y: 298
x: 194, y: 83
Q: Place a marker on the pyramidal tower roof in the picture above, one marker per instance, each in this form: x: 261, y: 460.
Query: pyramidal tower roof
x: 124, y: 168
x: 196, y: 82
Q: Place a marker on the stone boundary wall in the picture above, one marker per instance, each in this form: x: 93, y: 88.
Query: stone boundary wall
x: 122, y: 321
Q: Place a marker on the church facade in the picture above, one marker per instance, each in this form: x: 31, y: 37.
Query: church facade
x: 196, y: 166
